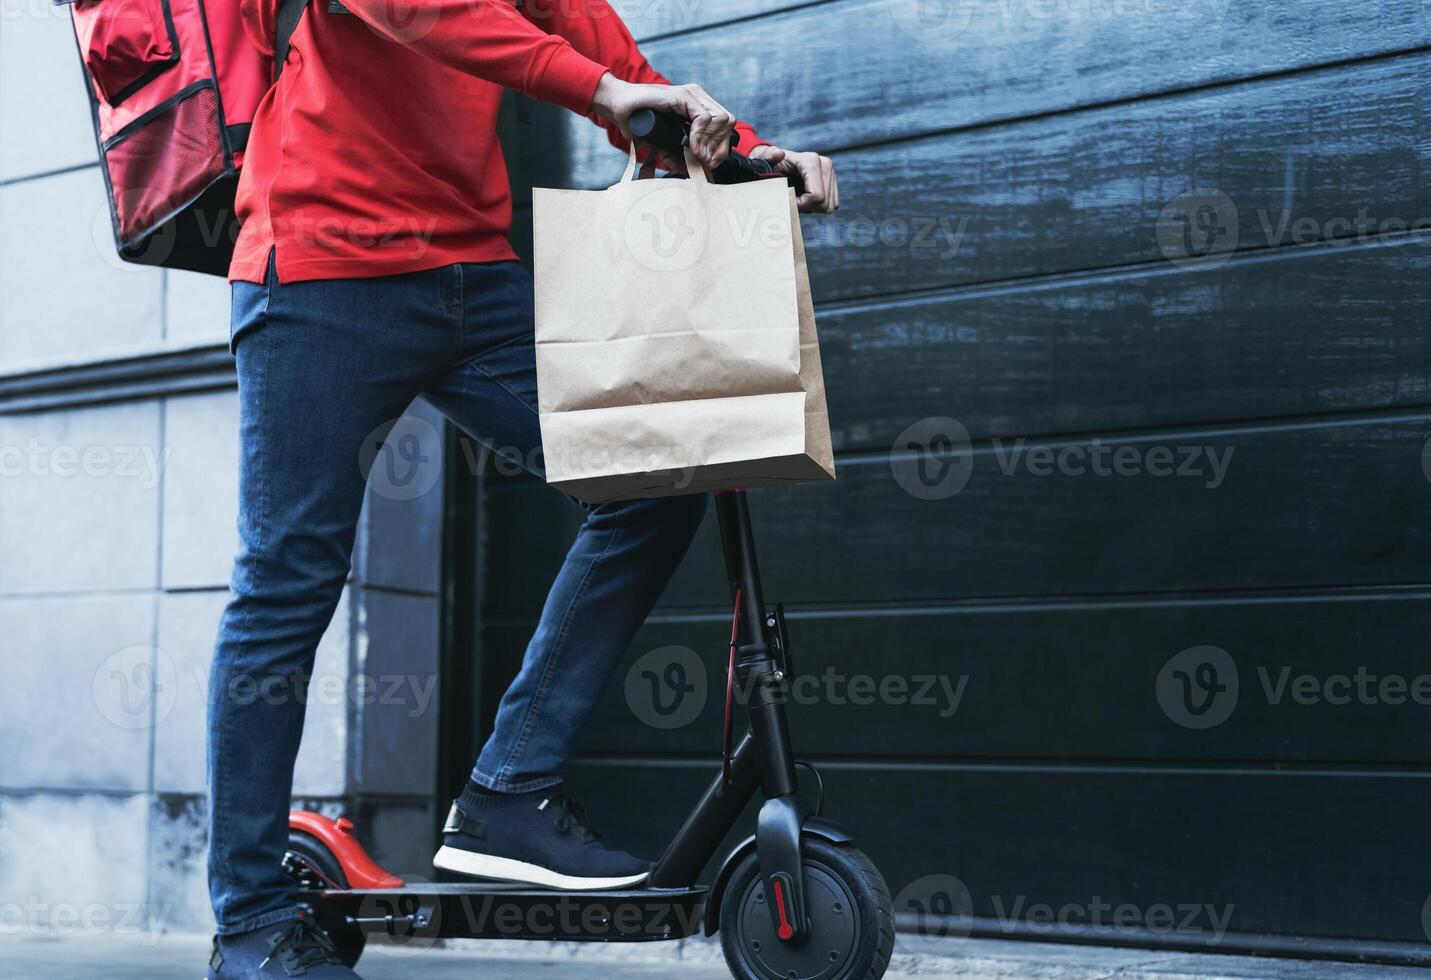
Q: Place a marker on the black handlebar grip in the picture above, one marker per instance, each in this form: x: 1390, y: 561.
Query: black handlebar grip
x: 663, y: 130
x: 667, y: 133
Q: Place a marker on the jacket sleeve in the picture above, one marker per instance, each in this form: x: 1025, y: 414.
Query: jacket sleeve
x: 595, y: 30
x: 491, y: 40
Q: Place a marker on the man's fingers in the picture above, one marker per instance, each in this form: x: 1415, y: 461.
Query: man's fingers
x: 815, y: 190
x: 711, y: 126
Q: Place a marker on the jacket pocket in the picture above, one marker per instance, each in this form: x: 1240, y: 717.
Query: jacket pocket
x: 125, y: 44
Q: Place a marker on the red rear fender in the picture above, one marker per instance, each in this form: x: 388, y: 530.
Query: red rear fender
x: 337, y: 835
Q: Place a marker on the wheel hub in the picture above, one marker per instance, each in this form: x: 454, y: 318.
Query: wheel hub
x: 833, y: 937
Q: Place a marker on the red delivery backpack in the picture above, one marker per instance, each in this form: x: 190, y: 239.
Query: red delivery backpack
x: 173, y: 88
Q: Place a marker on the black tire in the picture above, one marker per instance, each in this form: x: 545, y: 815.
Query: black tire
x: 850, y: 911
x: 309, y: 862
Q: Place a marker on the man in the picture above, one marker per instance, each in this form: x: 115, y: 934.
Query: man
x: 372, y: 267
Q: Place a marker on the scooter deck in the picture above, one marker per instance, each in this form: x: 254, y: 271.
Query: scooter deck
x: 493, y: 910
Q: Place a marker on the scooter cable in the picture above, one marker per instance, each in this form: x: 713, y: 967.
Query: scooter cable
x: 730, y: 690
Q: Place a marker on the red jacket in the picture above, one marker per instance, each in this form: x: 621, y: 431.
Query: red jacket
x: 372, y: 158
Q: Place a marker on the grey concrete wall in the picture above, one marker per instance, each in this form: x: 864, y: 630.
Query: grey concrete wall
x: 117, y: 529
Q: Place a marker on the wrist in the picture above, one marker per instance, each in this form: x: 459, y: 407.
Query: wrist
x: 603, y: 100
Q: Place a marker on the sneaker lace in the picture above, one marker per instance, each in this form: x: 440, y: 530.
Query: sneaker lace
x: 569, y: 815
x: 300, y: 946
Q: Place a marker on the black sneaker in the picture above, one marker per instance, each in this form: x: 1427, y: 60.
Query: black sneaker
x: 290, y: 949
x: 536, y: 838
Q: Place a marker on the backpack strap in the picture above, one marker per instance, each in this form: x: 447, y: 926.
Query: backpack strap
x: 290, y: 12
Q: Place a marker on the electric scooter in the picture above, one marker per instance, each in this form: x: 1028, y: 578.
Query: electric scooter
x: 794, y: 901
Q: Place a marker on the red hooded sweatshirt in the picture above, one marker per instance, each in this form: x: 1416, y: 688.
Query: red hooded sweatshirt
x: 377, y: 154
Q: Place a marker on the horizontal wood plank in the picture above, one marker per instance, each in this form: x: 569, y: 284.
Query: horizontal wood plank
x: 1282, y: 161
x: 1296, y: 506
x: 1318, y: 679
x: 1270, y: 852
x: 830, y: 76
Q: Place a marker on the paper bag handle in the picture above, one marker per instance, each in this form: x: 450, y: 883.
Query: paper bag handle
x: 694, y: 168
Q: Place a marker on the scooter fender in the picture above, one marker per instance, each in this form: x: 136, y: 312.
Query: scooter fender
x: 827, y: 830
x: 337, y: 835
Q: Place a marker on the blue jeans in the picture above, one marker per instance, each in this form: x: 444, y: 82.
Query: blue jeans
x: 321, y: 365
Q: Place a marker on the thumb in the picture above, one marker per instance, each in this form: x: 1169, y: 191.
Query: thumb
x: 771, y: 154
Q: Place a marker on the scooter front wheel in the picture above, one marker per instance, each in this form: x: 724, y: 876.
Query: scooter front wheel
x: 315, y: 868
x: 851, y: 920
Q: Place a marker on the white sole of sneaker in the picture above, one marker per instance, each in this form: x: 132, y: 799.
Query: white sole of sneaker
x: 507, y: 869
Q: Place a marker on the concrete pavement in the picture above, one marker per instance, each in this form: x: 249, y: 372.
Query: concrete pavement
x: 47, y: 956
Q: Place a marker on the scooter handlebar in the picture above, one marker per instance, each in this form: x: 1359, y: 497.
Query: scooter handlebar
x: 667, y: 133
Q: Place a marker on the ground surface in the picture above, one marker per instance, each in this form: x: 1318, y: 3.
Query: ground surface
x: 73, y: 957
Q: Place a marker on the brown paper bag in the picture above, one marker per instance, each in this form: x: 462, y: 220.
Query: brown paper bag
x: 676, y: 345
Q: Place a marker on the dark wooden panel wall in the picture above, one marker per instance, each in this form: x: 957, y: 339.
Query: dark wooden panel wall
x: 1010, y: 255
